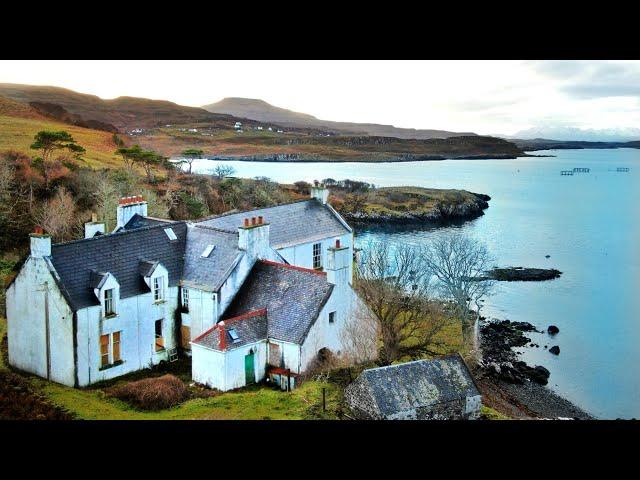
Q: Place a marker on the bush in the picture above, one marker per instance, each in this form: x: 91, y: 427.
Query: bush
x: 153, y: 393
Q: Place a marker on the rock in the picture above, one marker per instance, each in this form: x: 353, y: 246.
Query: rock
x: 540, y: 375
x: 552, y: 330
x: 547, y: 256
x: 555, y: 350
x: 513, y: 274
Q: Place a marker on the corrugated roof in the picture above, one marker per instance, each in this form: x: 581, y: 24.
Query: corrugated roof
x: 292, y: 223
x: 406, y: 386
x: 293, y: 297
x: 121, y: 255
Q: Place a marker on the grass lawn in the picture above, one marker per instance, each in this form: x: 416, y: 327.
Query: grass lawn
x: 258, y: 402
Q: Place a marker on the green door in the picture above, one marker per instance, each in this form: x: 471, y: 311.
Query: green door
x: 249, y: 371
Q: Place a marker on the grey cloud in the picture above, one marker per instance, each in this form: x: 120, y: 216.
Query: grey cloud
x: 593, y: 79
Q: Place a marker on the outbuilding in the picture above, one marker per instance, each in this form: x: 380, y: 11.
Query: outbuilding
x: 438, y: 389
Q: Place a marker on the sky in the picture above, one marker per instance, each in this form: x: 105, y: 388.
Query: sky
x: 486, y: 97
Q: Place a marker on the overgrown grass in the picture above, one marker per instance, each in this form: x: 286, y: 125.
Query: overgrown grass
x: 17, y: 134
x: 490, y: 414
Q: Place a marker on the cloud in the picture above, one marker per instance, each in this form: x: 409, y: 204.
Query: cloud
x: 586, y: 79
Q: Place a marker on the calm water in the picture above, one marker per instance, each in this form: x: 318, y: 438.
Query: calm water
x: 588, y: 223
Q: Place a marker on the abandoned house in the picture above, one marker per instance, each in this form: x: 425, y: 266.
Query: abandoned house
x: 438, y: 389
x: 249, y: 295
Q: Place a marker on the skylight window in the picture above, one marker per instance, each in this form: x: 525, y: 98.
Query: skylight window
x: 234, y: 335
x: 170, y: 233
x: 208, y: 250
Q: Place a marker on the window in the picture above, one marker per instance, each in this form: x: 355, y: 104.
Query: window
x: 185, y: 299
x: 170, y: 233
x: 332, y: 317
x: 234, y: 335
x: 110, y: 349
x: 159, y: 338
x: 109, y: 305
x: 207, y: 251
x: 317, y: 255
x: 158, y: 294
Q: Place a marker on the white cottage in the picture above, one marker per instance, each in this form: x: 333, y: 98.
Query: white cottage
x: 93, y: 309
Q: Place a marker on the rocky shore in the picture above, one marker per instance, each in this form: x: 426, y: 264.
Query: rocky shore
x: 512, y: 386
x: 521, y: 274
x: 465, y: 206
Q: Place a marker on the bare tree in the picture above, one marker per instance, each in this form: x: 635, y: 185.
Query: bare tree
x: 360, y: 335
x: 459, y: 264
x: 393, y: 283
x: 57, y: 216
x: 223, y: 170
x: 106, y: 194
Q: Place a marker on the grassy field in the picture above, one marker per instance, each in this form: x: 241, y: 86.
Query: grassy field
x: 258, y: 402
x: 17, y: 133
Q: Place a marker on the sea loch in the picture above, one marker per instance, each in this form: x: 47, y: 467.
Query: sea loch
x: 589, y: 225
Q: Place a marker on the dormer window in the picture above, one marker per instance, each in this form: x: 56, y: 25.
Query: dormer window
x: 158, y: 289
x: 170, y: 233
x: 234, y: 335
x: 109, y: 303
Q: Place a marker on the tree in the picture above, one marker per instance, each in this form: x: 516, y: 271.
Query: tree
x: 222, y: 171
x: 129, y: 155
x: 360, y: 335
x: 302, y: 187
x: 394, y: 285
x: 459, y: 264
x: 57, y: 216
x: 190, y: 155
x: 47, y: 142
x: 149, y: 160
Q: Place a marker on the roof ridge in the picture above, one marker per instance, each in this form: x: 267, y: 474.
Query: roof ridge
x: 215, y: 229
x: 235, y: 211
x: 252, y: 313
x: 119, y: 232
x: 292, y: 267
x: 397, y: 365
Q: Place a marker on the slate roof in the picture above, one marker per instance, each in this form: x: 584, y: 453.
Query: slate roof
x: 80, y: 263
x: 406, y: 386
x: 292, y: 223
x: 138, y: 221
x: 209, y: 273
x: 250, y: 328
x: 293, y: 297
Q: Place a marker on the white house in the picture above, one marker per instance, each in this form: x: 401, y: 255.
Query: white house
x: 93, y: 309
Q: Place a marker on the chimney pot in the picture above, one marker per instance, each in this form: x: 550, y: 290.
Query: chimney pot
x: 246, y: 222
x: 253, y: 220
x: 260, y: 220
x: 337, y: 243
x: 39, y: 230
x: 94, y: 217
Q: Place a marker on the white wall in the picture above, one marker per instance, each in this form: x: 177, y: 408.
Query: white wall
x: 302, y: 254
x: 203, y: 311
x: 225, y: 370
x: 26, y: 322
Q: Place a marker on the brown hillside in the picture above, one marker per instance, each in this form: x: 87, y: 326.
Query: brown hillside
x: 11, y: 108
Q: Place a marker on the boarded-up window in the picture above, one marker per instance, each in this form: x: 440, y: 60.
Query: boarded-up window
x: 185, y: 333
x: 104, y: 350
x: 116, y: 347
x: 275, y: 357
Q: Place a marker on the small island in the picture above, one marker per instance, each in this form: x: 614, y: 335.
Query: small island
x: 409, y: 205
x: 521, y: 274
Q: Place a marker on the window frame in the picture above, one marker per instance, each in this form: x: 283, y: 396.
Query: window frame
x: 110, y: 303
x: 185, y: 299
x: 158, y: 289
x: 111, y: 346
x: 332, y: 316
x: 158, y: 346
x: 316, y: 257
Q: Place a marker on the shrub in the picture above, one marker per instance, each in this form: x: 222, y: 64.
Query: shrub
x: 153, y: 393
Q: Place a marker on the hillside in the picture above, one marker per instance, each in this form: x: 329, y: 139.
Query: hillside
x: 123, y: 113
x: 19, y: 123
x: 265, y: 112
x: 546, y: 144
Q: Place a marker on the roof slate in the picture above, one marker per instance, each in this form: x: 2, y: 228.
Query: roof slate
x: 293, y: 298
x: 250, y: 328
x: 292, y: 223
x: 120, y: 254
x: 406, y: 386
x: 209, y: 273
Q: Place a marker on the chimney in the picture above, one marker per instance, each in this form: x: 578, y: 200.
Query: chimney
x: 93, y: 228
x: 40, y: 243
x: 319, y: 192
x: 253, y: 237
x: 223, y: 336
x: 128, y: 207
x: 338, y: 264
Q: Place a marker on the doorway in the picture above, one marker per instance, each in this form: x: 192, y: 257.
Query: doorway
x: 249, y: 369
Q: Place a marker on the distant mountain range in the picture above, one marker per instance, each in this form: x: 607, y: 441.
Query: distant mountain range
x: 264, y: 112
x: 573, y: 134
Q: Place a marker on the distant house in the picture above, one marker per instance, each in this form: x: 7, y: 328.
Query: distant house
x: 438, y: 389
x: 237, y: 125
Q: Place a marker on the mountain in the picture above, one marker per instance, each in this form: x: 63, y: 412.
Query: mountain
x: 577, y: 134
x: 122, y: 113
x: 262, y: 111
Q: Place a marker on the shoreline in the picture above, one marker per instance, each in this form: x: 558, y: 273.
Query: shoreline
x: 399, y: 160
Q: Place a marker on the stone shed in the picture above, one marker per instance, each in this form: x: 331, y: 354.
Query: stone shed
x: 438, y: 389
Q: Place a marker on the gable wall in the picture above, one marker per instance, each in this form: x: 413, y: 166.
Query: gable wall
x: 302, y: 254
